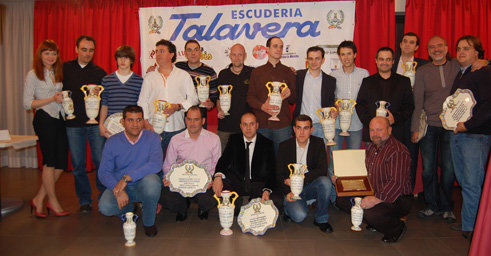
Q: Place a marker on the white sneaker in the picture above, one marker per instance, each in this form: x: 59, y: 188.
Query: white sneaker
x: 426, y: 213
x: 449, y: 217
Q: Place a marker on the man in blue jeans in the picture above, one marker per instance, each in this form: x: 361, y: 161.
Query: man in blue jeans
x: 129, y: 167
x: 76, y: 73
x: 309, y: 150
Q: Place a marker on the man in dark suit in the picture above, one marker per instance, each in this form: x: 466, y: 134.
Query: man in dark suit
x: 315, y: 89
x: 309, y: 150
x: 247, y: 165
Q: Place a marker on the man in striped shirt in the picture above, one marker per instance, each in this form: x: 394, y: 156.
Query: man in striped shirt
x: 121, y: 88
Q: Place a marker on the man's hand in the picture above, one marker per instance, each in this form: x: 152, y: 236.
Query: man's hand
x: 170, y: 110
x: 148, y: 125
x: 478, y: 64
x: 289, y: 197
x: 265, y: 196
x: 414, y: 137
x: 293, y: 70
x: 286, y: 93
x: 218, y: 185
x: 390, y: 117
x: 369, y: 202
x: 104, y: 131
x: 166, y: 182
x: 269, y: 109
x: 208, y: 185
x: 152, y: 68
x: 119, y: 187
x: 122, y: 199
x: 287, y: 182
x: 208, y: 104
x: 58, y: 97
x: 460, y: 128
x: 334, y: 113
x: 220, y: 113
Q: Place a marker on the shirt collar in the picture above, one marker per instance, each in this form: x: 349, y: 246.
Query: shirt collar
x: 131, y: 142
x: 186, y: 133
x: 463, y: 69
x: 306, y: 146
x: 253, y: 139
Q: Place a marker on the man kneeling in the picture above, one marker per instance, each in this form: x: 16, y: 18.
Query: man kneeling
x: 130, y: 162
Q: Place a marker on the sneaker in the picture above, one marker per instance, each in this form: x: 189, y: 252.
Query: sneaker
x: 426, y: 213
x: 449, y: 217
x: 85, y: 208
x: 150, y: 231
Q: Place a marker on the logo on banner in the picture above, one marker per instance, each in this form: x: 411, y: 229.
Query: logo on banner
x: 259, y: 52
x: 288, y: 53
x: 155, y: 24
x: 335, y: 19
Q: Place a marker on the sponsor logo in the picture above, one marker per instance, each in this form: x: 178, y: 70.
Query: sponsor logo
x: 335, y: 18
x: 155, y: 24
x: 259, y: 52
x: 288, y: 53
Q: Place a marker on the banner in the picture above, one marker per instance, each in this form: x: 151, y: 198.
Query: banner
x: 218, y: 28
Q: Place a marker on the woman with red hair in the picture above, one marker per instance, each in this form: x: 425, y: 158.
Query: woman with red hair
x: 42, y: 91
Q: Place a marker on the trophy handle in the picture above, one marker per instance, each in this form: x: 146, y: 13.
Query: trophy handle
x: 318, y: 112
x: 196, y: 78
x: 387, y: 105
x: 230, y: 90
x: 83, y: 90
x: 69, y: 93
x: 304, y: 167
x: 267, y: 86
x: 218, y: 200
x: 415, y: 64
x: 101, y: 88
x: 290, y: 168
x: 235, y: 197
x: 337, y: 103
x: 220, y: 89
x: 286, y: 86
x: 208, y: 79
x: 352, y: 106
x: 156, y: 105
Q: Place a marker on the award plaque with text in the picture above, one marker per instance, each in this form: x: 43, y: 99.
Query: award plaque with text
x: 351, y: 173
x: 188, y: 178
x: 256, y: 217
x: 457, y: 108
x: 113, y: 123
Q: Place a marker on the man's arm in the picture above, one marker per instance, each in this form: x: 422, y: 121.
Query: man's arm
x: 320, y: 157
x: 481, y: 113
x: 418, y: 94
x: 216, y: 152
x: 397, y: 164
x: 145, y: 95
x: 170, y: 156
x: 292, y: 86
x: 107, y: 166
x: 214, y: 87
x: 407, y: 105
x: 282, y: 172
x: 191, y: 96
x: 362, y: 103
x: 252, y: 92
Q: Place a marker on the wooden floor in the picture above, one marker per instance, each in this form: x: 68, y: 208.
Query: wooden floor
x: 94, y: 234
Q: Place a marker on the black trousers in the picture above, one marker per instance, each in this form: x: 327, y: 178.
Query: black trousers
x: 385, y: 217
x: 177, y: 203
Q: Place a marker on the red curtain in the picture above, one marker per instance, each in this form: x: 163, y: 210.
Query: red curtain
x: 482, y: 233
x: 450, y: 19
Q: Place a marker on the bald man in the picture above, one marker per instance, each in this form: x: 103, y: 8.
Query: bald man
x: 387, y: 161
x: 236, y: 74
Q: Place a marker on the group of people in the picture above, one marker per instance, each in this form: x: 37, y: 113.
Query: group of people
x: 250, y: 154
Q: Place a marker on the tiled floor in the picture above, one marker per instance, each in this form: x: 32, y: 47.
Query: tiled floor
x: 94, y: 234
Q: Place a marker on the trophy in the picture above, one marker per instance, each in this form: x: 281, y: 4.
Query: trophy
x: 129, y: 228
x: 409, y: 68
x: 203, y: 88
x: 356, y: 214
x: 275, y: 97
x: 345, y: 113
x: 159, y: 117
x: 225, y: 98
x: 67, y: 104
x: 382, y: 107
x: 327, y: 123
x: 92, y: 101
x: 226, y: 211
x: 297, y: 175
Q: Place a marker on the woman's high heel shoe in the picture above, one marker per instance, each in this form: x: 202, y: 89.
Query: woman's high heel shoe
x: 39, y: 215
x: 58, y: 214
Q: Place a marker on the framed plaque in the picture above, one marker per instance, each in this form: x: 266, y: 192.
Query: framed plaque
x: 113, y: 123
x: 256, y: 217
x: 351, y: 172
x: 188, y: 178
x: 457, y: 108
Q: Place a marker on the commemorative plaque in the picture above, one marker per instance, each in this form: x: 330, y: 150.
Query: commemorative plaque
x: 457, y: 108
x: 351, y: 173
x: 188, y: 178
x: 256, y: 217
x: 113, y: 123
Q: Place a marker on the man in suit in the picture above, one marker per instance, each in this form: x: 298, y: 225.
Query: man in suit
x: 309, y: 150
x: 247, y: 164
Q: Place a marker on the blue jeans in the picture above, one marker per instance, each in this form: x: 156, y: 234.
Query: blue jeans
x: 146, y: 191
x: 318, y: 189
x: 352, y: 142
x: 276, y: 135
x: 166, y: 136
x: 437, y: 142
x: 77, y: 141
x: 469, y: 155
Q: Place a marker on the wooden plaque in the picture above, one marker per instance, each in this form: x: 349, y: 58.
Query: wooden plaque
x: 351, y: 173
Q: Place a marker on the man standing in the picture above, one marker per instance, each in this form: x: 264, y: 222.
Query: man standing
x: 196, y: 68
x: 200, y: 145
x: 129, y: 167
x: 121, y: 88
x: 76, y: 73
x: 169, y: 84
x: 387, y: 161
x: 247, y: 165
x: 237, y: 74
x: 471, y: 140
x: 309, y: 150
x: 387, y: 86
x: 257, y: 95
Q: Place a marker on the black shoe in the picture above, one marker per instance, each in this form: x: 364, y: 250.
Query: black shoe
x: 286, y: 218
x: 150, y: 231
x: 202, y: 215
x: 467, y: 234
x: 324, y: 227
x: 396, y: 238
x: 181, y: 216
x: 85, y: 208
x: 371, y: 228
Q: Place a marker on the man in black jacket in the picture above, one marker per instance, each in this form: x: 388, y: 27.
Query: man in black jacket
x: 247, y: 165
x: 309, y: 150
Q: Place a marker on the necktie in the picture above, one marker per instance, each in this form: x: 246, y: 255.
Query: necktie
x: 248, y: 168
